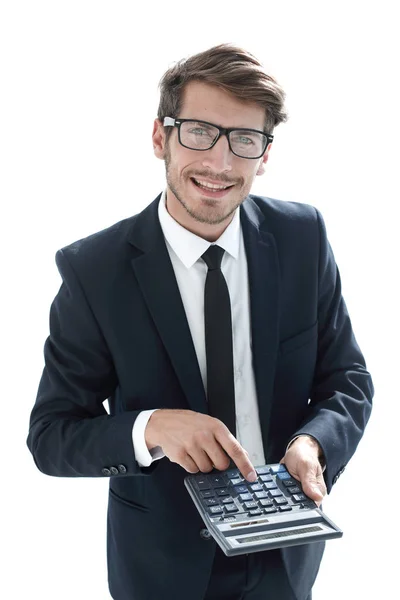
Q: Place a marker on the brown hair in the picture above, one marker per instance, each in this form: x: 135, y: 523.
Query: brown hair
x: 232, y: 69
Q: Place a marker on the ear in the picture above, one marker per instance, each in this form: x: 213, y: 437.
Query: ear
x: 158, y: 138
x: 261, y: 168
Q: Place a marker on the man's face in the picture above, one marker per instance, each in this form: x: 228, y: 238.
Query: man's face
x: 217, y: 165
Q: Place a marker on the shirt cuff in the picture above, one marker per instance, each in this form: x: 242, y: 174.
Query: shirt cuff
x: 144, y: 457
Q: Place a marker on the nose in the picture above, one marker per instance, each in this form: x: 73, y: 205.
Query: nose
x: 219, y: 158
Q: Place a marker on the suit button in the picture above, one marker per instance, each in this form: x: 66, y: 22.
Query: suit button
x: 122, y: 468
x: 106, y: 471
x: 114, y: 470
x: 205, y: 534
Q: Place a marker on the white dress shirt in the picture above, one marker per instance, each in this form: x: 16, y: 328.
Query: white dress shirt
x: 185, y: 250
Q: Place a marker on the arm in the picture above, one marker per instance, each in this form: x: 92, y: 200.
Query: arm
x: 71, y: 434
x: 342, y: 391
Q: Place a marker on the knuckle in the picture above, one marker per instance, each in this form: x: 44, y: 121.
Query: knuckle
x: 202, y: 436
x: 236, y: 449
x: 219, y: 426
x: 180, y: 455
x: 222, y: 463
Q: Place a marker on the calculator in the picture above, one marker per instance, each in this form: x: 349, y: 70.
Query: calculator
x: 272, y: 512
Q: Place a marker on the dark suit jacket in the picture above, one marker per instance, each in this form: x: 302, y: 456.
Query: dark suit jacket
x: 118, y: 330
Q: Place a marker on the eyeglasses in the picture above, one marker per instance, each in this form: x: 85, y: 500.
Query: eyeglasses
x: 200, y: 135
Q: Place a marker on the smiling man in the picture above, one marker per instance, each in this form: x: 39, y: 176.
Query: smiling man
x: 214, y: 324
x: 205, y: 189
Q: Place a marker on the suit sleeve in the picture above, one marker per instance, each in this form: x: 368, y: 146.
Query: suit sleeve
x: 342, y: 391
x: 70, y: 433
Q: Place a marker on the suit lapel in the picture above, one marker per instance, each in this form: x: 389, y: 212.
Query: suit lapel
x: 156, y: 278
x: 263, y: 269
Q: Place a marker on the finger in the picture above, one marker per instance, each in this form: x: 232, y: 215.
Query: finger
x: 217, y: 455
x: 207, y: 452
x: 314, y: 488
x: 238, y: 454
x: 201, y: 458
x: 184, y: 460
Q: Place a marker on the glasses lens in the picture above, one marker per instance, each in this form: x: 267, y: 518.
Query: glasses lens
x: 198, y: 136
x: 248, y: 144
x: 201, y: 136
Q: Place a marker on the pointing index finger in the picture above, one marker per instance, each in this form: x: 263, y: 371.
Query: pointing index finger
x: 239, y: 456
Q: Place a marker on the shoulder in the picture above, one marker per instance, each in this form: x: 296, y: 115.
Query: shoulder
x: 297, y: 228
x: 97, y: 256
x: 284, y: 211
x: 110, y: 237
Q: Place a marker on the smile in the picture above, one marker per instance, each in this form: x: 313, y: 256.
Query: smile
x: 211, y: 186
x: 211, y: 190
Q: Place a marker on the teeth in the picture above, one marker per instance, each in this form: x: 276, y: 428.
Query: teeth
x: 212, y: 186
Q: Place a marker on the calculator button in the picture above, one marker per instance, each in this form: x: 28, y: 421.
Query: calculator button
x: 217, y: 481
x: 260, y: 495
x: 250, y: 505
x: 277, y: 469
x: 211, y: 502
x: 256, y: 487
x: 280, y: 501
x: 299, y: 497
x: 270, y: 509
x: 275, y: 493
x: 266, y: 478
x: 294, y: 489
x: 289, y: 482
x: 216, y: 510
x: 241, y: 489
x: 236, y: 481
x: 245, y: 497
x: 283, y: 475
x: 254, y: 512
x: 207, y: 494
x: 227, y: 500
x: 222, y: 492
x: 232, y: 473
x: 266, y: 503
x: 285, y: 508
x: 231, y: 508
x: 270, y: 486
x: 203, y: 484
x: 262, y: 470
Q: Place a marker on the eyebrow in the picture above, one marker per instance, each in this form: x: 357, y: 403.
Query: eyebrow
x: 223, y: 126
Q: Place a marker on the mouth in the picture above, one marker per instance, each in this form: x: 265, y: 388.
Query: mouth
x: 211, y: 190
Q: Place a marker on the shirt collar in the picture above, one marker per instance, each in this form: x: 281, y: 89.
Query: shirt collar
x: 188, y: 246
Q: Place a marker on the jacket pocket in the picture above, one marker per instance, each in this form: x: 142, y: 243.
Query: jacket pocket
x: 127, y: 502
x: 299, y: 340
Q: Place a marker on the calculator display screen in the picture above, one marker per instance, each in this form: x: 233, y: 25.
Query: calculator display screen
x: 279, y: 534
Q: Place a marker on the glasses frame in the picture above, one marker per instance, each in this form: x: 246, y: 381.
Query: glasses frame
x: 171, y: 122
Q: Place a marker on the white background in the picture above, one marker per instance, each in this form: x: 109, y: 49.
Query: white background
x: 78, y: 99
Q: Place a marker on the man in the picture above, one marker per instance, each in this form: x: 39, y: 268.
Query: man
x: 128, y: 325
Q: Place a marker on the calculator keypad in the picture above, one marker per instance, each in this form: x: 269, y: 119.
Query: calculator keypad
x: 228, y: 494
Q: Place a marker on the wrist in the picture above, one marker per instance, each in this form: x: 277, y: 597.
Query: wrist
x: 150, y: 432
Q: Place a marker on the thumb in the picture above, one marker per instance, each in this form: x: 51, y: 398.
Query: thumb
x: 313, y: 490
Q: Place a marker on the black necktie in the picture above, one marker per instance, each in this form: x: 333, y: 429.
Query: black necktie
x: 218, y: 337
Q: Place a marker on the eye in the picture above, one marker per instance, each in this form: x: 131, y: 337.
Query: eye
x: 243, y: 139
x: 201, y: 131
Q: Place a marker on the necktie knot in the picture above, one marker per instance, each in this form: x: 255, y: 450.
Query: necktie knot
x: 213, y: 257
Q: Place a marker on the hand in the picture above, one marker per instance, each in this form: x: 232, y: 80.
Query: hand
x: 302, y: 462
x: 196, y: 442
